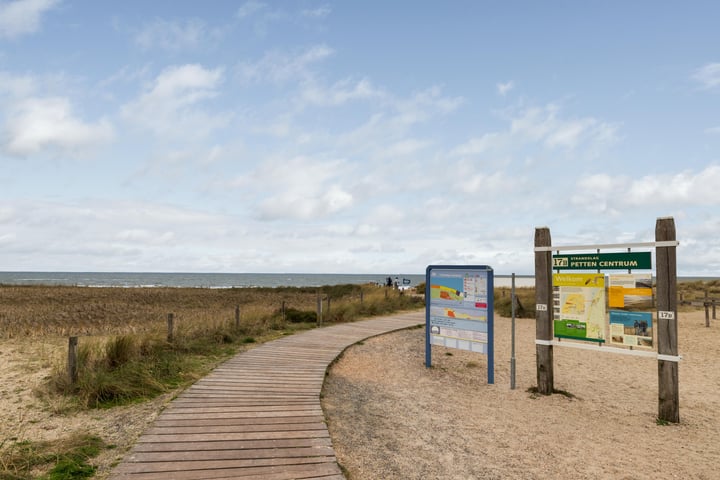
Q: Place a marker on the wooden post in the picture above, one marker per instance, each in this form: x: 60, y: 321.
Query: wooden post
x: 170, y: 326
x: 668, y: 385
x: 706, y: 304
x: 237, y: 317
x: 72, y: 359
x: 283, y: 312
x: 713, y: 305
x: 319, y: 309
x: 544, y: 311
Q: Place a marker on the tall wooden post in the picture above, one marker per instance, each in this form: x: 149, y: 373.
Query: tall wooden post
x: 237, y: 317
x: 668, y: 385
x: 72, y: 359
x: 319, y: 309
x: 543, y: 312
x: 170, y: 327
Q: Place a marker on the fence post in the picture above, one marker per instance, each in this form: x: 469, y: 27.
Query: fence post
x: 668, y: 385
x: 170, y: 326
x: 713, y: 305
x: 319, y: 309
x: 282, y: 309
x: 237, y: 317
x: 706, y: 304
x: 544, y: 312
x: 72, y: 359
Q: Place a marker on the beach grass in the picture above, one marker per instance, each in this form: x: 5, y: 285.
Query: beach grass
x: 125, y: 354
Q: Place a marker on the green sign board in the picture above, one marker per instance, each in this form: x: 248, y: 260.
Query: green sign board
x: 604, y: 261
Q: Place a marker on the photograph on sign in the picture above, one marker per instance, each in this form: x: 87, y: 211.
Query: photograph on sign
x: 630, y: 291
x: 632, y: 329
x: 579, y: 300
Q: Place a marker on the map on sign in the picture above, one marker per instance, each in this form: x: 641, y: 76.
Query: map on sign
x: 579, y: 306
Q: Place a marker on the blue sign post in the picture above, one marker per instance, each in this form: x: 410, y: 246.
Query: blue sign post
x: 459, y: 310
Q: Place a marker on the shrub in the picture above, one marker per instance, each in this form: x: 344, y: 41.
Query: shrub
x: 294, y: 315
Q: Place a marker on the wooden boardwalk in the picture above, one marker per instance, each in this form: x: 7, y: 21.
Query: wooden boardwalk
x: 257, y: 416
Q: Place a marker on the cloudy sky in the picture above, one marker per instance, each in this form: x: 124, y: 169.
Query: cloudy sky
x: 353, y: 137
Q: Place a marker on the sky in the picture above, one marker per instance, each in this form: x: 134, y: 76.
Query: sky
x: 353, y: 137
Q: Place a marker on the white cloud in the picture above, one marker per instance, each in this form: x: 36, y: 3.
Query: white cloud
x: 17, y: 86
x: 278, y: 67
x: 478, y: 146
x: 38, y: 124
x: 708, y: 75
x: 298, y: 188
x: 339, y: 93
x: 618, y: 193
x: 713, y: 130
x: 175, y: 35
x: 405, y: 147
x: 22, y: 17
x: 170, y: 105
x: 250, y: 8
x: 504, y: 88
x: 545, y: 125
x: 320, y: 12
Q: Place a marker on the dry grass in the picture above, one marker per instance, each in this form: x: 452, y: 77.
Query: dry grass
x: 37, y: 311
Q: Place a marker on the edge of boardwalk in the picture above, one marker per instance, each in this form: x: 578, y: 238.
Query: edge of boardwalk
x: 256, y: 416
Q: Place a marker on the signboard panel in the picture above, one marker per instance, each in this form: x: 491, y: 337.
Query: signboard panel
x: 459, y: 310
x: 604, y: 261
x: 634, y: 329
x: 579, y: 312
x: 630, y: 291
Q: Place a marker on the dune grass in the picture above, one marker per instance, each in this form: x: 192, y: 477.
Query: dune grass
x: 125, y: 355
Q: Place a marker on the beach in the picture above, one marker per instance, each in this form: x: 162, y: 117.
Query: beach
x: 391, y: 417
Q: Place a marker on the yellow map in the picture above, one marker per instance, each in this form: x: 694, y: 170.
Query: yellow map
x: 574, y: 304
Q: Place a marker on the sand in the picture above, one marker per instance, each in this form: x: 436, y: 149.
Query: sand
x: 390, y: 417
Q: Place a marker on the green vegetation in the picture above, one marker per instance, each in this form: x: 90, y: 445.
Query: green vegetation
x: 524, y: 304
x: 62, y: 459
x: 125, y: 355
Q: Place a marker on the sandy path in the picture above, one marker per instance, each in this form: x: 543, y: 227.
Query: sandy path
x: 390, y: 417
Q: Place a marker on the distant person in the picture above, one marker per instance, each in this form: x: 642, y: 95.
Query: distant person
x: 389, y: 282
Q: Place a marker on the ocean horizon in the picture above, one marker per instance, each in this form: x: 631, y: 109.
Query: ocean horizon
x: 221, y: 280
x: 239, y: 280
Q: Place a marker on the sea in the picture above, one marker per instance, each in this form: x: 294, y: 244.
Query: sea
x: 224, y: 280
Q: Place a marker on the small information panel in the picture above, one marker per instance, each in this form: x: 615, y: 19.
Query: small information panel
x: 459, y: 310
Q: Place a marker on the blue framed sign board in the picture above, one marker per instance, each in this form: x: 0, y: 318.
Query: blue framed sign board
x: 459, y: 310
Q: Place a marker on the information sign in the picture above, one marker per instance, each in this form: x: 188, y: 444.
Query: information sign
x: 579, y: 312
x: 459, y: 310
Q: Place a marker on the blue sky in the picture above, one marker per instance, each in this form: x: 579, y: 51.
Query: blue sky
x: 354, y: 137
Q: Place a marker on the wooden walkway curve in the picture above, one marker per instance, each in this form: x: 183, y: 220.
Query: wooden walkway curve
x: 257, y: 416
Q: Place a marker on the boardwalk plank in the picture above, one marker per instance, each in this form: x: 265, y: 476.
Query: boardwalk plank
x: 257, y: 416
